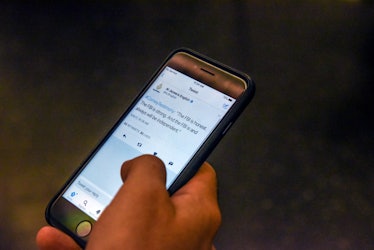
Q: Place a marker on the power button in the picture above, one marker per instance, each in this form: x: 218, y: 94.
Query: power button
x: 84, y: 228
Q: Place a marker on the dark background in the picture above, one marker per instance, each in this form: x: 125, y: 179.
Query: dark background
x: 295, y: 171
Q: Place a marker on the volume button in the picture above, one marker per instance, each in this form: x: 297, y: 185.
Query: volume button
x: 227, y: 128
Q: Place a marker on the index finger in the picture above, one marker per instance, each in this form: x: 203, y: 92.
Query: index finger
x: 203, y: 184
x: 198, y: 199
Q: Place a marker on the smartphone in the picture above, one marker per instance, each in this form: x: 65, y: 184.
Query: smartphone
x: 180, y: 115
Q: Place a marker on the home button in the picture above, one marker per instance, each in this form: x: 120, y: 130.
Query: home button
x: 83, y: 229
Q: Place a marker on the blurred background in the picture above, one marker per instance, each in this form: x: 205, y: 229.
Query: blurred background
x: 295, y: 171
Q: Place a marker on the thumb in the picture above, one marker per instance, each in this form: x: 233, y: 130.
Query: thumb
x: 139, y: 199
x: 143, y: 182
x: 143, y: 168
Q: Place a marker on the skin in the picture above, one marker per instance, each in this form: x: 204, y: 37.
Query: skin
x: 146, y: 217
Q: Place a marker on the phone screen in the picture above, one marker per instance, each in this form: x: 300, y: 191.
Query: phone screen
x: 171, y: 120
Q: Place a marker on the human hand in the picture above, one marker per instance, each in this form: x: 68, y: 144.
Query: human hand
x: 143, y: 216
